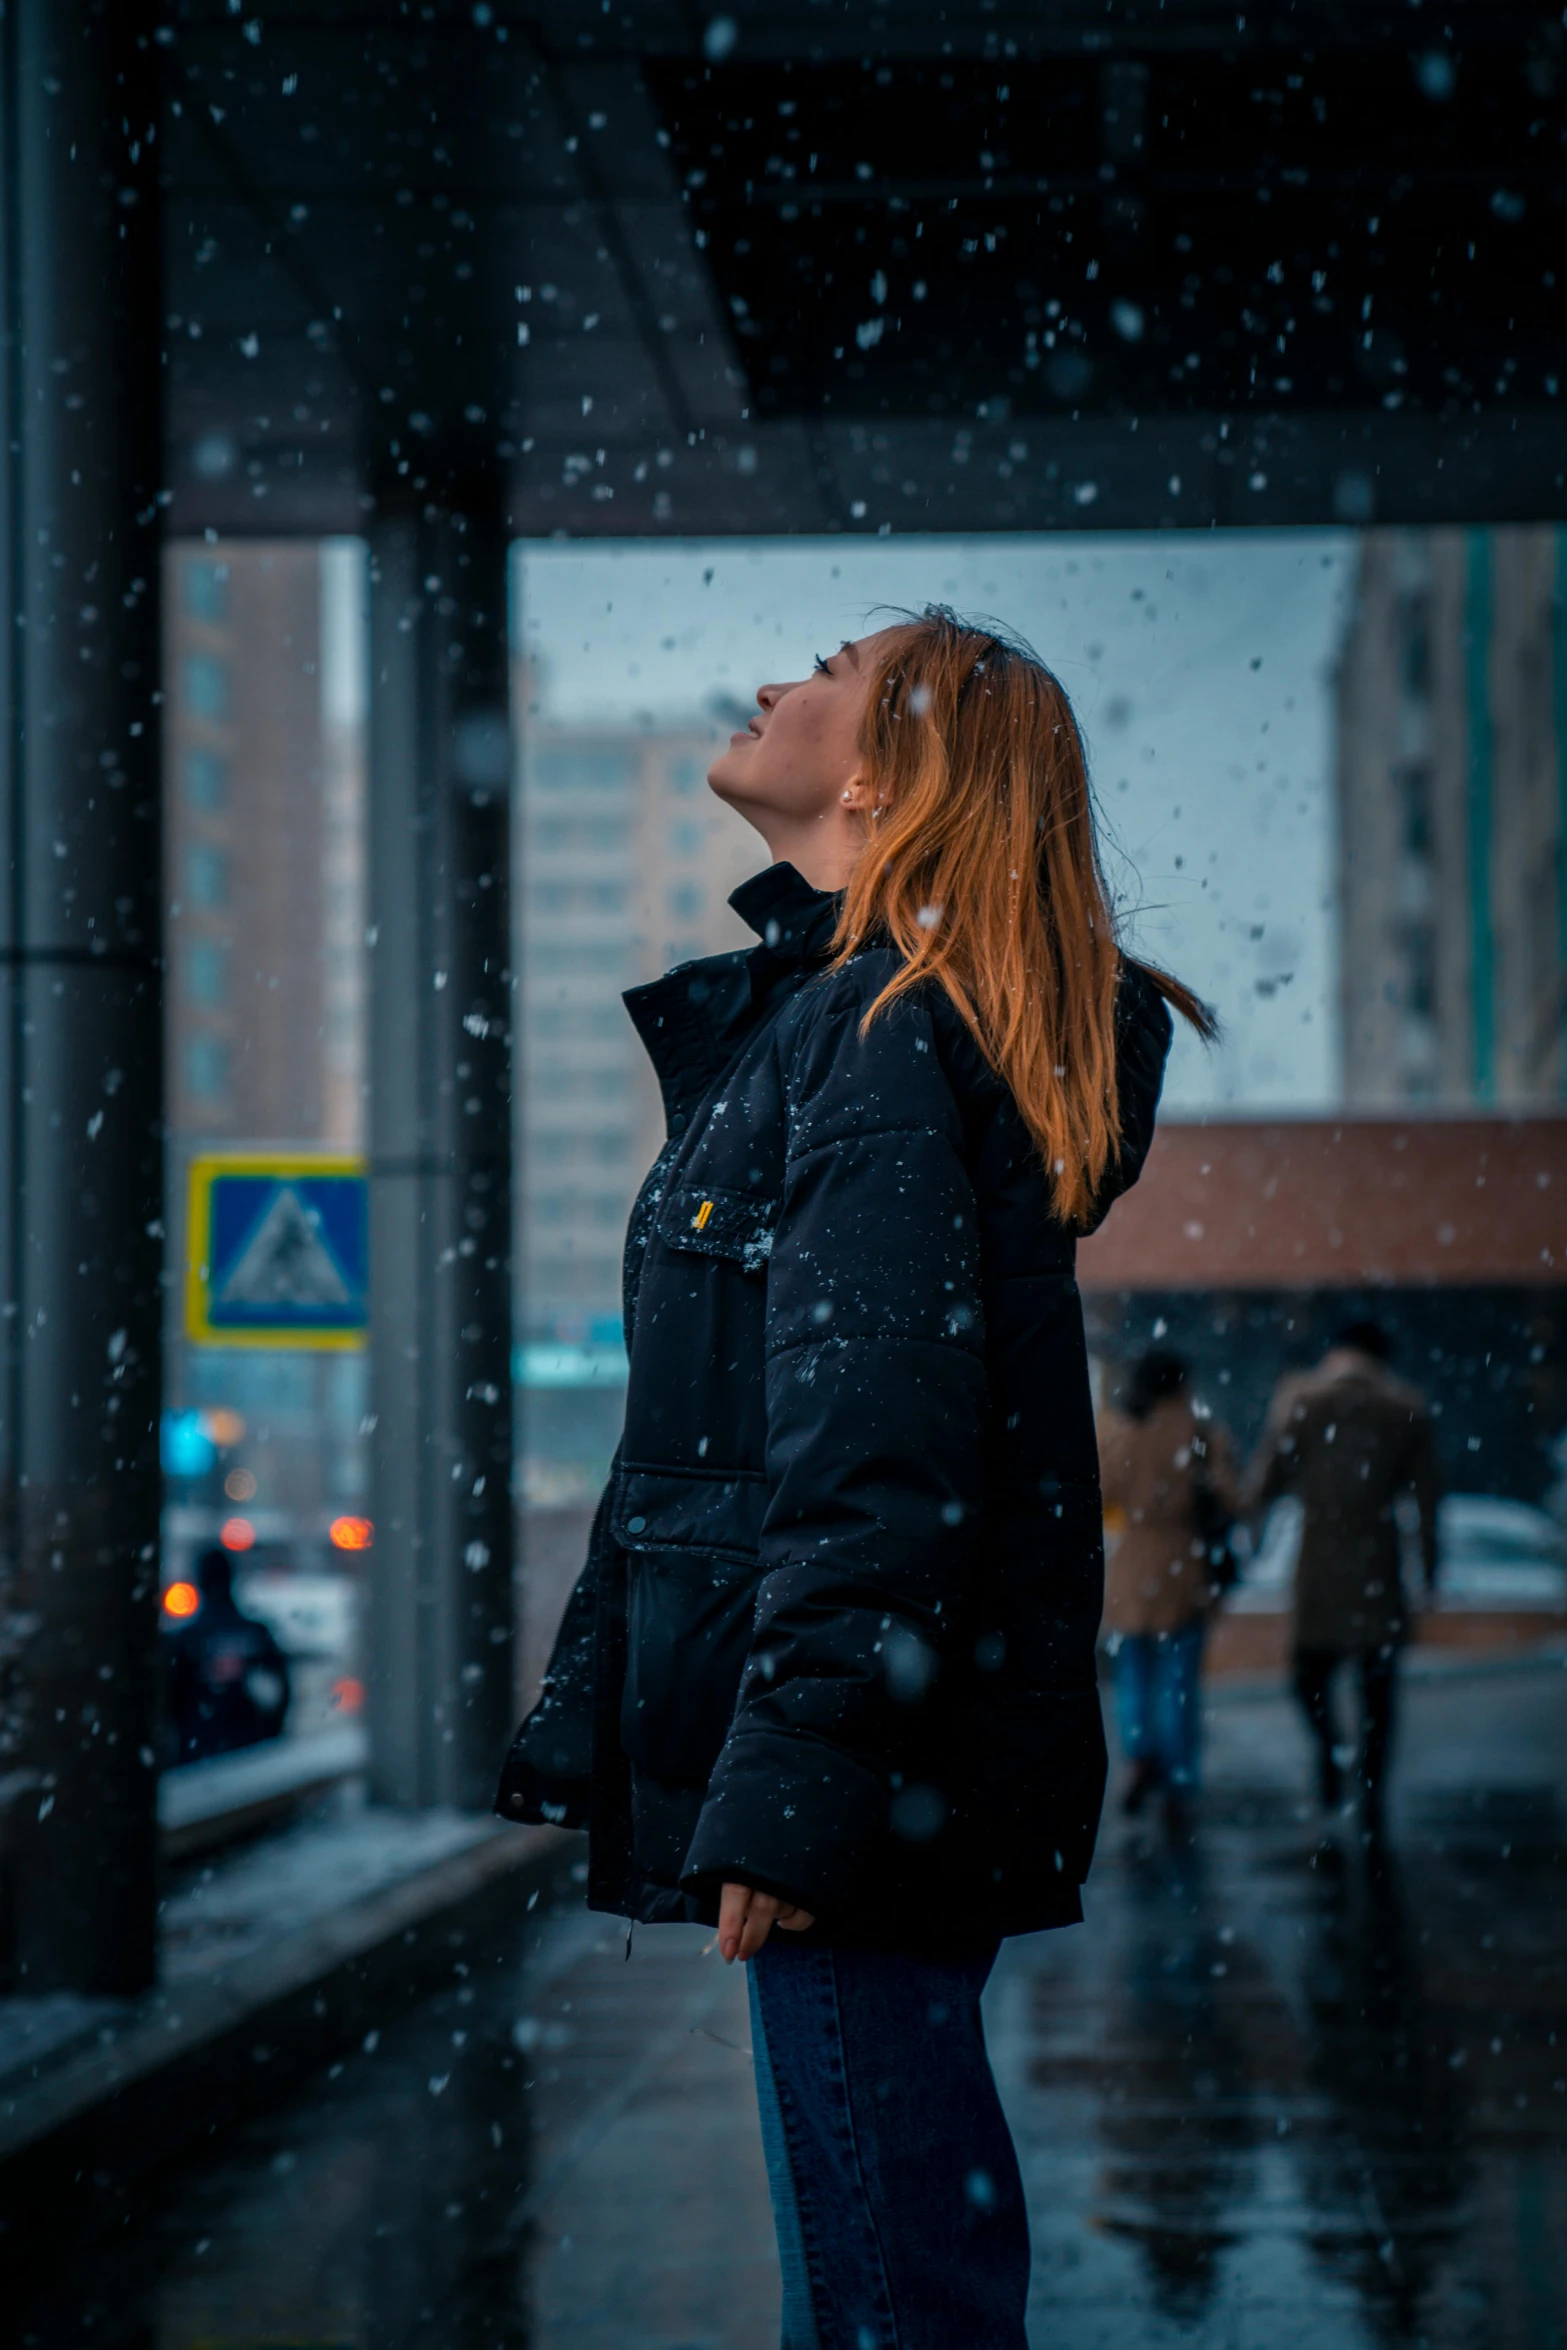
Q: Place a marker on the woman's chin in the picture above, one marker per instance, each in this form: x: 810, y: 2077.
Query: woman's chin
x: 726, y: 779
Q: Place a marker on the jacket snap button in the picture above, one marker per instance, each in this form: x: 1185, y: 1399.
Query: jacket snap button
x: 635, y: 1525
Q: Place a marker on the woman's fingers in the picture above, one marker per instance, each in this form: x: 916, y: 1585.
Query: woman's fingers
x: 733, y: 1910
x: 759, y: 1922
x: 746, y: 1918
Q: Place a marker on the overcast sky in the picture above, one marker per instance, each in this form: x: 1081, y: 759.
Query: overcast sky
x: 1200, y: 668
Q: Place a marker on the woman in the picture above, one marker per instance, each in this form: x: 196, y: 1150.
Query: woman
x: 830, y: 1667
x: 1169, y: 1478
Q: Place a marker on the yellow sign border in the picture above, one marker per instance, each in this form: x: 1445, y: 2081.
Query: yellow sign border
x: 199, y: 1178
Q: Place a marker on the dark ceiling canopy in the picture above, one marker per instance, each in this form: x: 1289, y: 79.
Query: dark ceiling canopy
x: 839, y: 267
x: 1133, y: 236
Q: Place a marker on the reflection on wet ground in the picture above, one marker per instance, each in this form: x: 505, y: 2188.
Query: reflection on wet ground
x: 1305, y: 2104
x: 1274, y: 2097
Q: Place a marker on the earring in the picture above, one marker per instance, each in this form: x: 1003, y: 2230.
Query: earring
x: 848, y: 796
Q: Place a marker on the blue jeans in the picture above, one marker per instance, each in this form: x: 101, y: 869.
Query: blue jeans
x: 895, y: 2187
x: 1158, y: 1699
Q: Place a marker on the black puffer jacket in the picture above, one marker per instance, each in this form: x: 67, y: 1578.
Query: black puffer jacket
x: 835, y: 1636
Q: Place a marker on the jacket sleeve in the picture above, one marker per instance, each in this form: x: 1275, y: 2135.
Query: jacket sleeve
x: 546, y: 1773
x: 1222, y: 1467
x: 876, y: 1404
x: 1276, y: 1463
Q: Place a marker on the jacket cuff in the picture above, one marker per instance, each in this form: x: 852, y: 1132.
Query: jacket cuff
x: 790, y: 1816
x: 528, y: 1798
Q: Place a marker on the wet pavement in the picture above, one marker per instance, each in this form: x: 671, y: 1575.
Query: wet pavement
x: 1275, y: 2096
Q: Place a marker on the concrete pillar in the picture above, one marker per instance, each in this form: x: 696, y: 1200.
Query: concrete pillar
x: 81, y: 1173
x: 440, y: 1690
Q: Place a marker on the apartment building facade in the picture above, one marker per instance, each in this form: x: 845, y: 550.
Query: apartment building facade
x: 626, y: 865
x: 1452, y: 809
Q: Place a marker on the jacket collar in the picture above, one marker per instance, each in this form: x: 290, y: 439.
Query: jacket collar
x: 793, y: 921
x: 694, y: 1020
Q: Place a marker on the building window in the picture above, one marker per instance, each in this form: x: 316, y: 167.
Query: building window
x: 207, y: 970
x: 206, y: 779
x: 548, y: 1149
x: 685, y: 901
x: 588, y: 835
x: 556, y: 1081
x: 1413, y: 623
x: 207, y: 1067
x: 609, y: 1145
x: 207, y: 687
x: 1420, y: 994
x: 686, y: 776
x: 1542, y: 948
x: 1414, y: 804
x: 686, y: 839
x: 578, y: 1207
x: 577, y: 897
x: 552, y: 958
x: 207, y: 590
x: 579, y: 769
x: 581, y: 1020
x: 206, y: 875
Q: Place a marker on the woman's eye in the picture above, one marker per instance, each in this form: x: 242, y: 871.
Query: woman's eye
x: 822, y: 669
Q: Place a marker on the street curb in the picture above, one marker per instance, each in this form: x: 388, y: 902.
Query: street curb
x: 198, y: 2058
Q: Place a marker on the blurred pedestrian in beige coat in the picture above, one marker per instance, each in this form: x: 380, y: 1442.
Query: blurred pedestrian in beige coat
x: 1170, y: 1495
x: 1350, y: 1439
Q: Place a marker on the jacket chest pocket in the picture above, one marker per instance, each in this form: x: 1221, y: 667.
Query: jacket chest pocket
x: 719, y: 1223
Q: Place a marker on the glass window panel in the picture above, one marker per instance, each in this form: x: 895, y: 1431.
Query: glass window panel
x: 206, y: 777
x: 207, y: 1065
x: 207, y: 687
x: 207, y: 874
x: 588, y: 767
x: 206, y: 587
x: 266, y: 881
x: 207, y: 970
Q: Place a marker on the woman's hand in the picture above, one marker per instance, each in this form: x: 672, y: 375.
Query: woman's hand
x: 746, y: 1918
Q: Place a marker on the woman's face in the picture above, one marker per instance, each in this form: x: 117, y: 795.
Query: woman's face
x: 801, y: 752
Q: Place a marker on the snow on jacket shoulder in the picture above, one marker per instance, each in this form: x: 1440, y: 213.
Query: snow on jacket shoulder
x: 835, y: 1637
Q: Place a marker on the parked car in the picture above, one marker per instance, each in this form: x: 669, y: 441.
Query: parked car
x: 1491, y: 1553
x: 1496, y: 1553
x: 226, y: 1677
x: 309, y: 1615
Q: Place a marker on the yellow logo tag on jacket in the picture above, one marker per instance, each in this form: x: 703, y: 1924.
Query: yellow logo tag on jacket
x: 704, y: 1212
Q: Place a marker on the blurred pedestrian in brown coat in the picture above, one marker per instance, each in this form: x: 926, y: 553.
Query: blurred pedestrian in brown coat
x: 1350, y: 1439
x: 1170, y: 1496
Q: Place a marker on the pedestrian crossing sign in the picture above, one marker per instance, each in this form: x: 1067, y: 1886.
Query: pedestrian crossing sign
x: 277, y: 1250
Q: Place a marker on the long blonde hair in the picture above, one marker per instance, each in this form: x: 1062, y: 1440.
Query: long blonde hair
x: 981, y: 867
